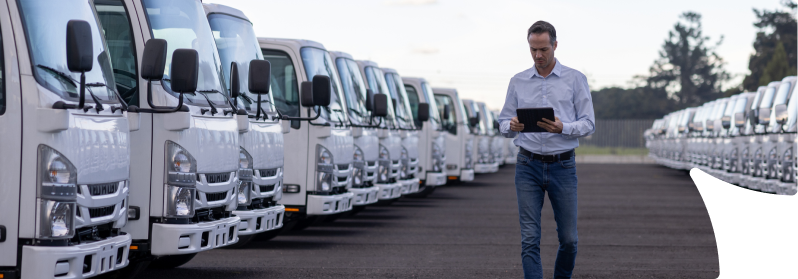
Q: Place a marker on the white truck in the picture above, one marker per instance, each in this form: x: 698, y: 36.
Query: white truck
x: 260, y: 133
x: 408, y: 173
x: 495, y: 137
x: 459, y: 139
x: 732, y: 164
x: 761, y: 140
x: 432, y: 135
x: 65, y: 144
x: 485, y: 163
x: 185, y: 156
x: 779, y: 142
x: 364, y: 123
x: 320, y: 147
x: 390, y: 145
x: 787, y: 166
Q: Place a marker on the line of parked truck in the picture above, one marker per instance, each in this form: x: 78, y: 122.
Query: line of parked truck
x: 140, y: 132
x: 748, y: 139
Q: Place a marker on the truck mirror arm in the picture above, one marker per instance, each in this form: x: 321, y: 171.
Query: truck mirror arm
x: 318, y: 114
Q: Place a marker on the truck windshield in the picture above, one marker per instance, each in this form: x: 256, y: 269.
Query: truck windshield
x: 398, y: 93
x: 487, y: 117
x: 45, y: 27
x: 434, y: 113
x: 182, y: 24
x: 236, y: 42
x: 767, y: 98
x: 354, y: 89
x: 376, y: 80
x: 782, y: 94
x: 792, y: 114
x: 317, y: 62
x: 448, y: 124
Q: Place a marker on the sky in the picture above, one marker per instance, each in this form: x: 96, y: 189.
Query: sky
x: 477, y: 46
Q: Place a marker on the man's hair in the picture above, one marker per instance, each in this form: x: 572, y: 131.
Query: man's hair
x: 541, y: 27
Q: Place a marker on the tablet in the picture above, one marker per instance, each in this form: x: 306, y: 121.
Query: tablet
x: 531, y: 116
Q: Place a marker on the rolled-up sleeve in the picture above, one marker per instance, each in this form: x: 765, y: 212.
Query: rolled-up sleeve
x: 585, y: 123
x: 508, y: 112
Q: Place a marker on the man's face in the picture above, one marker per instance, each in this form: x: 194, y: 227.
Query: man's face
x: 541, y: 49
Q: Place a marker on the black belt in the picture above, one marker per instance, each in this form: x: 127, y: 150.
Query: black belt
x: 548, y: 158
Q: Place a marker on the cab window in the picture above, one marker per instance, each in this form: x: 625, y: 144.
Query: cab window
x: 412, y: 98
x: 284, y: 88
x: 119, y: 37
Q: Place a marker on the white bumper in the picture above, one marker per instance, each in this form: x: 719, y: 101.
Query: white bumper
x: 466, y: 175
x: 364, y: 196
x: 486, y: 168
x: 260, y: 220
x: 389, y: 191
x: 435, y: 179
x: 326, y: 205
x: 785, y: 188
x: 176, y: 239
x: 47, y: 261
x: 410, y: 186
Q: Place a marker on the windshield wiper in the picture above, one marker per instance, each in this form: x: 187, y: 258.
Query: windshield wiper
x: 98, y: 105
x: 121, y: 101
x: 210, y: 103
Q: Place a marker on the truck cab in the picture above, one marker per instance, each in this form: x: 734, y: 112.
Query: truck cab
x: 389, y: 134
x: 733, y: 163
x: 459, y: 138
x: 778, y: 144
x: 787, y: 144
x: 761, y: 138
x: 185, y: 156
x: 260, y: 130
x: 485, y: 162
x: 408, y: 174
x: 364, y: 122
x: 65, y: 144
x: 432, y: 134
x: 319, y: 161
x: 499, y: 145
x: 749, y: 147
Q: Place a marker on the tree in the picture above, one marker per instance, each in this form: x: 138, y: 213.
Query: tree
x: 783, y: 29
x: 635, y: 103
x: 689, y: 70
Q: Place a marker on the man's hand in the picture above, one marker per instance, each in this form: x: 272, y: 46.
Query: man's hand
x: 515, y: 125
x: 551, y: 126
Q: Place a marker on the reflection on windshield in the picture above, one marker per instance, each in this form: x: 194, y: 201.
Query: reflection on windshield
x: 236, y: 42
x: 354, y: 89
x: 781, y: 96
x: 182, y: 24
x: 376, y: 81
x: 399, y: 94
x: 767, y: 99
x: 45, y: 26
x: 318, y: 62
x: 792, y: 114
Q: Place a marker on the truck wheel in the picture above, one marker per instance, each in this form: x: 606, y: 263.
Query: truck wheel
x: 172, y: 261
x: 243, y: 240
x: 423, y: 193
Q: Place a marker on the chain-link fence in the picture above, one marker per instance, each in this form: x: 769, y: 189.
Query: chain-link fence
x: 616, y: 137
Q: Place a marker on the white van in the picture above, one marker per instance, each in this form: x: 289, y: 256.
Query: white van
x: 65, y: 144
x: 787, y: 117
x: 185, y: 156
x: 318, y: 161
x: 779, y: 142
x: 364, y: 123
x: 761, y: 140
x: 432, y: 140
x: 389, y: 133
x: 260, y: 133
x: 733, y: 163
x: 459, y: 139
x: 408, y: 174
x: 748, y: 145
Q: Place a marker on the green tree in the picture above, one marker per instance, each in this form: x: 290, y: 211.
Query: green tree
x: 688, y: 69
x: 778, y: 67
x: 775, y: 28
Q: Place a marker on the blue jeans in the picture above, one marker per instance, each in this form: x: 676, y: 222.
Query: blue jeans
x: 533, y: 179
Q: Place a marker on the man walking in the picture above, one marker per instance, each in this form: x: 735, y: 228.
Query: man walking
x: 546, y: 162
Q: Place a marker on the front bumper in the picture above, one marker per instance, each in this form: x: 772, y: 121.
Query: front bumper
x: 785, y: 188
x: 260, y: 220
x: 389, y: 191
x: 410, y: 186
x: 435, y: 179
x: 486, y: 168
x: 176, y: 239
x: 365, y: 196
x: 326, y: 205
x: 466, y: 175
x: 47, y: 261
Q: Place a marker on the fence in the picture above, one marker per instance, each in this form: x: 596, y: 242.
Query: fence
x: 616, y: 137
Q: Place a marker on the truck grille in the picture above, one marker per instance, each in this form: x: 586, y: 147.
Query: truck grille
x: 217, y: 177
x: 101, y: 211
x: 343, y: 167
x: 266, y: 188
x: 267, y: 172
x: 211, y: 197
x: 103, y: 189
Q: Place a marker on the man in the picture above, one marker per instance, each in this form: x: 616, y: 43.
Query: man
x: 546, y: 162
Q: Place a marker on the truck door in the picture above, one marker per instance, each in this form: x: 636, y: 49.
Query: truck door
x: 10, y: 141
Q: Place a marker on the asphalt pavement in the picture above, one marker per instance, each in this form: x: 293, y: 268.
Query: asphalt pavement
x: 635, y: 221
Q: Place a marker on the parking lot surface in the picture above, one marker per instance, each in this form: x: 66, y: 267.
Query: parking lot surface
x: 635, y: 221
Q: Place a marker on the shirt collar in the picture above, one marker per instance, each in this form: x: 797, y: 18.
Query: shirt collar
x: 556, y: 71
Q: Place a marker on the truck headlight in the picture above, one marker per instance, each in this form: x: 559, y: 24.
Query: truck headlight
x: 436, y: 158
x: 324, y: 169
x: 244, y: 192
x: 468, y: 153
x: 384, y: 162
x: 245, y: 172
x: 788, y: 165
x: 181, y: 178
x: 405, y: 161
x: 359, y: 164
x: 57, y: 181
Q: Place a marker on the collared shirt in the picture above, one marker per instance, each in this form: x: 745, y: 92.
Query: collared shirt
x: 566, y: 91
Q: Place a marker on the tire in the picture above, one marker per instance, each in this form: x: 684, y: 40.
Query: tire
x: 423, y: 193
x: 172, y: 261
x: 243, y: 240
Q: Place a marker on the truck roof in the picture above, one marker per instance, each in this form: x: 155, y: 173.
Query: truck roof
x: 296, y: 43
x: 222, y: 9
x: 389, y: 70
x: 341, y: 54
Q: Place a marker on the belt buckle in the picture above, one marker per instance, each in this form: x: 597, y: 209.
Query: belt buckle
x: 548, y: 158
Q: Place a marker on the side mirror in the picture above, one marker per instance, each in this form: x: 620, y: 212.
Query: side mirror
x: 259, y: 79
x: 781, y: 114
x: 764, y: 116
x: 447, y: 109
x: 153, y: 61
x: 235, y: 82
x: 380, y: 105
x: 306, y: 93
x: 739, y: 120
x: 423, y: 112
x: 184, y: 70
x: 754, y: 116
x: 369, y: 100
x: 321, y: 90
x: 473, y: 121
x: 726, y: 122
x: 80, y: 52
x: 496, y: 124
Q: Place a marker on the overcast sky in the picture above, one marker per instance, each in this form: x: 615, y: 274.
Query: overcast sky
x: 477, y: 46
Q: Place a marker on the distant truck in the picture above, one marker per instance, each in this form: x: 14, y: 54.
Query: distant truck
x: 459, y: 138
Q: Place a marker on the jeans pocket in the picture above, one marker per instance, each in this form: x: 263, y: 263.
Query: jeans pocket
x: 568, y: 164
x: 521, y: 160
